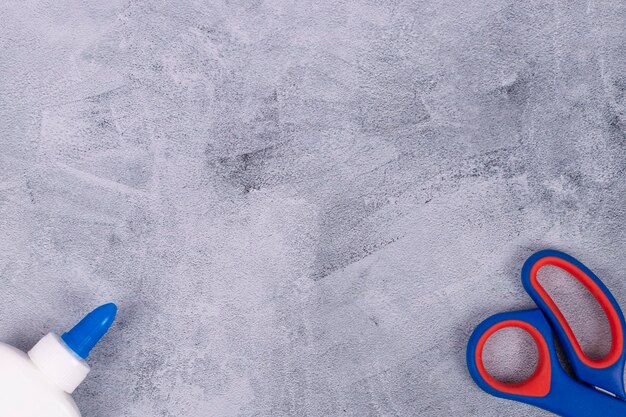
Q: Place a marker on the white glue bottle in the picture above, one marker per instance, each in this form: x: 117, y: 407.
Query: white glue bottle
x: 39, y: 384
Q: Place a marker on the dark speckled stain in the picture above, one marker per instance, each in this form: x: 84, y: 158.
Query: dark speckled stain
x: 347, y: 232
x: 515, y: 91
x: 503, y: 163
x: 617, y: 141
x: 330, y: 260
x: 215, y: 35
x: 616, y: 126
x: 244, y: 171
x: 619, y: 84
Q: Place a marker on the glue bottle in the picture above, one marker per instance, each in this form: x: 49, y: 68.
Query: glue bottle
x: 39, y: 384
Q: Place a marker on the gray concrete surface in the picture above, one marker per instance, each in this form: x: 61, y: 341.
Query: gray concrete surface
x: 302, y: 208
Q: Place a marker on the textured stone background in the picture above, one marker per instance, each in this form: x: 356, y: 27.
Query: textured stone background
x: 302, y: 208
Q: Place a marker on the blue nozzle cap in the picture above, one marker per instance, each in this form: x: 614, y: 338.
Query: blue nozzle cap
x: 88, y: 332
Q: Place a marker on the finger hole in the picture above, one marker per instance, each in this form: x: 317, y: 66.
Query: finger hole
x: 510, y: 355
x: 537, y: 365
x: 581, y: 310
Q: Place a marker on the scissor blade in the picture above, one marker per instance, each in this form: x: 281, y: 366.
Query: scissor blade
x: 605, y: 391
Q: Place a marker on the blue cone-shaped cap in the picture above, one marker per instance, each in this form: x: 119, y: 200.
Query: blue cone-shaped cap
x: 86, y: 334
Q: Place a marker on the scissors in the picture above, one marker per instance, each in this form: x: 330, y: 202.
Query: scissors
x: 597, y: 387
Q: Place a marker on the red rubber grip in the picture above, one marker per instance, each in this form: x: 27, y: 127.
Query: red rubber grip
x: 612, y: 316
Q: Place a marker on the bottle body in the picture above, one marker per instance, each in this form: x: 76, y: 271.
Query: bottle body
x: 27, y: 392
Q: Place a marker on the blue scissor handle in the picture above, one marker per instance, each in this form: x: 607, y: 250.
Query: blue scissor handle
x: 606, y: 373
x: 550, y: 387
